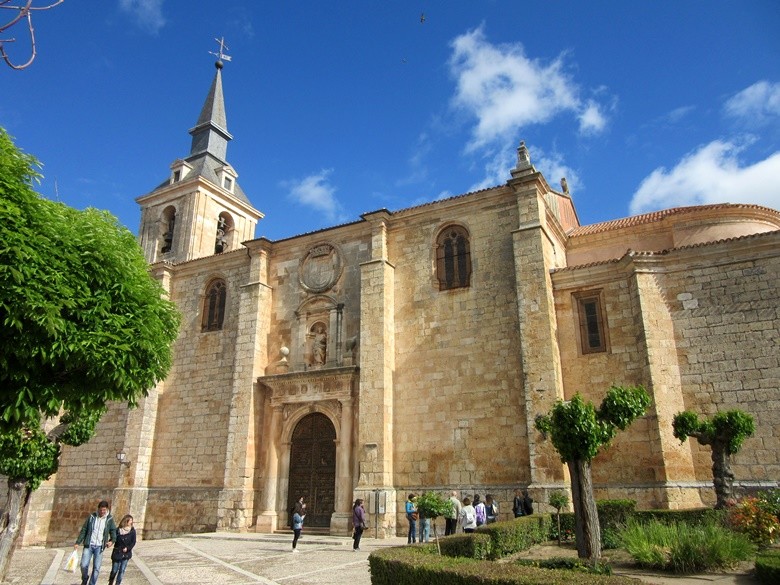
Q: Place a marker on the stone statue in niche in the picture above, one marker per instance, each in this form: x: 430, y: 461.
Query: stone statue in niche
x: 319, y: 346
x: 220, y: 243
x: 168, y: 236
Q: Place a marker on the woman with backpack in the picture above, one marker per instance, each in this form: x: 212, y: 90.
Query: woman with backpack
x: 491, y: 509
x: 468, y: 516
x: 480, y: 509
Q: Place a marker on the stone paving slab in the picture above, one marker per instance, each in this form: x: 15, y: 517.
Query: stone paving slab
x: 216, y: 559
x: 244, y: 559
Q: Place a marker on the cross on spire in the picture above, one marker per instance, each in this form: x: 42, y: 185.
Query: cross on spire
x: 221, y: 56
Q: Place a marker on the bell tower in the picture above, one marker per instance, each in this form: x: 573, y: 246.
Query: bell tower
x: 200, y: 209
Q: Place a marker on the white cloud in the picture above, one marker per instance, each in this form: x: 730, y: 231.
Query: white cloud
x: 592, y: 119
x: 756, y: 104
x: 711, y: 174
x: 148, y: 13
x: 315, y: 192
x: 505, y: 90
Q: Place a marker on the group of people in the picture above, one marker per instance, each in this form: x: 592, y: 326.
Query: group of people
x: 100, y: 532
x: 470, y: 513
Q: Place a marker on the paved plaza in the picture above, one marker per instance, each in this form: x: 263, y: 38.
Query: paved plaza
x: 241, y: 559
x: 216, y: 559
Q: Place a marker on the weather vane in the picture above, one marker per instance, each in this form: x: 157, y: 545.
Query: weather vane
x: 222, y: 48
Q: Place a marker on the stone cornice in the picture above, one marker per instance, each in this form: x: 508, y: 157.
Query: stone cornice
x: 200, y: 185
x: 312, y: 385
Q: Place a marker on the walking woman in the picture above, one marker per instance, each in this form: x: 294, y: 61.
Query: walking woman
x: 358, y: 523
x: 297, y: 522
x: 123, y: 550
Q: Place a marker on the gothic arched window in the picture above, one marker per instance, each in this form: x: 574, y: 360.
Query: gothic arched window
x: 214, y: 306
x: 453, y: 258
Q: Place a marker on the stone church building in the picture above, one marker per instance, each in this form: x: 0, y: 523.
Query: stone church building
x: 412, y: 350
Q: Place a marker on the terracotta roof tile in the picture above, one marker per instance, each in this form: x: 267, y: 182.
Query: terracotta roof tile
x: 653, y: 217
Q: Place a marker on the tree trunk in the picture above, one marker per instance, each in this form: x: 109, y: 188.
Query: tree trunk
x: 436, y: 536
x: 722, y: 476
x: 11, y: 521
x: 586, y: 518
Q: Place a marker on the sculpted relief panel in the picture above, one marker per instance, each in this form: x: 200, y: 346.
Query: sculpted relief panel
x: 321, y: 268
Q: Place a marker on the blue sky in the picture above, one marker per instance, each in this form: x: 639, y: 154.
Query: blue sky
x: 339, y: 108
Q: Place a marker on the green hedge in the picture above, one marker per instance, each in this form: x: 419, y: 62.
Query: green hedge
x: 693, y: 517
x: 613, y: 514
x: 420, y: 565
x: 493, y: 541
x: 468, y: 546
x: 768, y: 567
x: 511, y: 536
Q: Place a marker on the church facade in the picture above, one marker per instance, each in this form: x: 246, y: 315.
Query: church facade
x: 412, y: 350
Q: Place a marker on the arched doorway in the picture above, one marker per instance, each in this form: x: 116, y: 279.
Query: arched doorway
x: 313, y: 468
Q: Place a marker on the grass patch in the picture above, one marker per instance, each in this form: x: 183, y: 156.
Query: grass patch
x: 684, y: 549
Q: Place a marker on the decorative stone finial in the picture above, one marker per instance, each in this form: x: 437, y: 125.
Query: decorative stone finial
x: 564, y: 185
x: 524, y: 166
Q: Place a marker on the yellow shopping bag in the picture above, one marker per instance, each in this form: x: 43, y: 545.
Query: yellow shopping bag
x: 72, y: 563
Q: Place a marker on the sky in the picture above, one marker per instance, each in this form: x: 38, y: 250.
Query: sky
x: 341, y: 108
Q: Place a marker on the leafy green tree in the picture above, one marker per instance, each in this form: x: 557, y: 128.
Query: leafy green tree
x: 83, y: 324
x: 724, y: 433
x: 578, y: 432
x: 432, y: 505
x: 558, y: 500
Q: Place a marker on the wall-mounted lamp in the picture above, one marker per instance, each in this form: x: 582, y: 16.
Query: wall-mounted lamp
x: 122, y: 458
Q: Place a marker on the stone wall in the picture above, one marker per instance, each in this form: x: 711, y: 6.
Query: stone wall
x: 457, y: 382
x: 717, y: 307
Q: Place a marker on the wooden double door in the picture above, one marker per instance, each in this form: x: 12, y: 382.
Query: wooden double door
x: 313, y: 469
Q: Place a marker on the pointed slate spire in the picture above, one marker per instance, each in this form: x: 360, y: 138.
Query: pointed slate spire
x: 210, y: 133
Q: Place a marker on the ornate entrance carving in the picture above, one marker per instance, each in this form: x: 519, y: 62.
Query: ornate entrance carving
x: 313, y: 468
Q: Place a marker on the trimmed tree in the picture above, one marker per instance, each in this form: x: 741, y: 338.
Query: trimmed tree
x: 578, y: 432
x: 558, y: 500
x: 83, y: 324
x: 432, y: 505
x: 724, y: 433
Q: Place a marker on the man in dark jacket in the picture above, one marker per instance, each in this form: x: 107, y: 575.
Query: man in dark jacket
x: 98, y: 532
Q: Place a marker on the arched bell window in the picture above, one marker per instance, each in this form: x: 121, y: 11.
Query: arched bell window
x: 224, y: 236
x: 168, y: 221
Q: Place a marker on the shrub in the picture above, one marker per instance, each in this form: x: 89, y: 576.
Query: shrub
x: 569, y: 564
x: 567, y: 528
x: 682, y: 548
x: 692, y: 517
x: 768, y: 567
x: 754, y: 520
x: 514, y: 535
x: 413, y: 565
x: 769, y: 500
x: 470, y: 546
x: 615, y: 513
